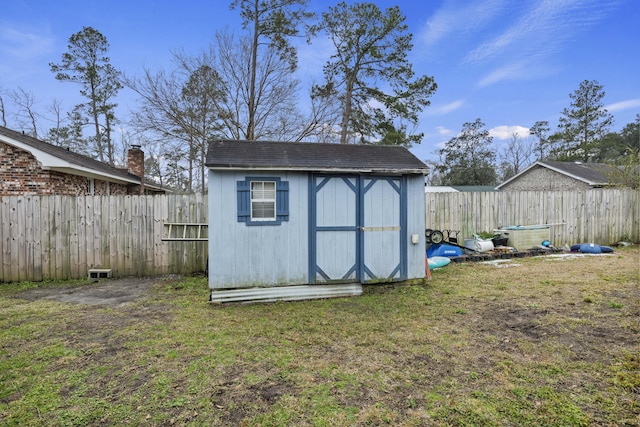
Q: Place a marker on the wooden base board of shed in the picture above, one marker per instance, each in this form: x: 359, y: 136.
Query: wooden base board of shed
x: 286, y: 293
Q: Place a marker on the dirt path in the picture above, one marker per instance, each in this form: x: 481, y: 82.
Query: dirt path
x: 110, y: 292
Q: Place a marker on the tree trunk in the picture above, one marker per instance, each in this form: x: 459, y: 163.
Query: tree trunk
x: 252, y: 85
x: 96, y: 121
x: 346, y: 113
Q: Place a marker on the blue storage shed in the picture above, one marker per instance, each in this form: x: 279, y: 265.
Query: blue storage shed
x: 308, y: 220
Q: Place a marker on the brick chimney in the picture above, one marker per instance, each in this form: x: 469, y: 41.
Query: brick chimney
x: 135, y: 163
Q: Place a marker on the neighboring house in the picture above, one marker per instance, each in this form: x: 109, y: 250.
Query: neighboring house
x: 309, y: 220
x: 29, y: 166
x: 547, y: 175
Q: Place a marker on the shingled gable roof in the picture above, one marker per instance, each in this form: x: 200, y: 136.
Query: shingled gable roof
x: 52, y: 157
x: 316, y: 157
x: 594, y: 174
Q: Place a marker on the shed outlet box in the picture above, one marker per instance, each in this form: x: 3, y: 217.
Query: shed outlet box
x: 415, y: 239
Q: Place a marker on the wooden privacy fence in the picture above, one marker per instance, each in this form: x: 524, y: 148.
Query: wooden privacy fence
x: 62, y: 237
x: 602, y: 216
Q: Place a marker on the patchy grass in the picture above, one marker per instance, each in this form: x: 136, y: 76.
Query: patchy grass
x: 551, y: 342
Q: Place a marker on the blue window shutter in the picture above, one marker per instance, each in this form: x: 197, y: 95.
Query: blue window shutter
x: 282, y: 200
x: 244, y: 201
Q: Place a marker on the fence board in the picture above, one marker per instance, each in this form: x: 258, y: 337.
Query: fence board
x: 6, y: 238
x: 74, y: 239
x: 162, y: 215
x: 45, y: 234
x: 83, y: 241
x: 112, y: 248
x: 90, y: 244
x: 29, y: 237
x: 103, y: 234
x: 19, y: 239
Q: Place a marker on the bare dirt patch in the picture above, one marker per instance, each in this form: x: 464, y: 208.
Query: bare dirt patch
x: 110, y: 292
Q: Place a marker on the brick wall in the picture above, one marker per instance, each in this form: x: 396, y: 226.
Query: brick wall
x: 543, y: 179
x: 20, y: 174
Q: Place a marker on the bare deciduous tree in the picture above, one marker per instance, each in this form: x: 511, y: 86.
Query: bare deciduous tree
x: 3, y: 116
x: 516, y: 155
x: 26, y: 114
x: 272, y: 108
x: 182, y: 108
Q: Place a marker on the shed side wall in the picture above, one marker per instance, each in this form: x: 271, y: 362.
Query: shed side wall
x: 415, y: 225
x: 242, y: 256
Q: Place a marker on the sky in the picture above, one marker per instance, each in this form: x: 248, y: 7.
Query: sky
x: 508, y: 63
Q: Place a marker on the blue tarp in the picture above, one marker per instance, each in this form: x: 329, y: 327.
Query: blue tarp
x: 442, y: 249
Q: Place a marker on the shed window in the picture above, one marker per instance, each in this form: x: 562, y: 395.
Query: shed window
x: 263, y: 201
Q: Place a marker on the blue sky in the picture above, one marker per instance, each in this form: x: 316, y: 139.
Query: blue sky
x: 508, y: 62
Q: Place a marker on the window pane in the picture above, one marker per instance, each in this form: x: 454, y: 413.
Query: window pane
x: 263, y: 200
x: 263, y: 190
x: 256, y: 190
x: 270, y: 190
x: 263, y: 210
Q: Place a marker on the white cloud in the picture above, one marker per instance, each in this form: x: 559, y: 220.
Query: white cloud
x: 540, y: 30
x: 444, y: 109
x: 623, y: 105
x: 455, y: 19
x: 518, y: 40
x: 506, y: 132
x: 507, y: 72
x: 18, y: 44
x: 452, y: 106
x: 21, y: 49
x: 527, y: 69
x: 443, y: 130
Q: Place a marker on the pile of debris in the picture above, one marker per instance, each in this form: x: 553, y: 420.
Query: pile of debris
x: 445, y: 244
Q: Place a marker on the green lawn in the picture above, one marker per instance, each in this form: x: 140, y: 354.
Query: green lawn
x: 549, y: 342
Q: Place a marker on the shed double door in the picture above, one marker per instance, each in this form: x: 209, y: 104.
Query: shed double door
x: 358, y: 228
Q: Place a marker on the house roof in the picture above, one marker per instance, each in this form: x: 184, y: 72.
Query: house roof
x: 474, y: 188
x: 458, y: 188
x: 439, y: 189
x: 594, y: 174
x: 60, y: 159
x: 318, y: 157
